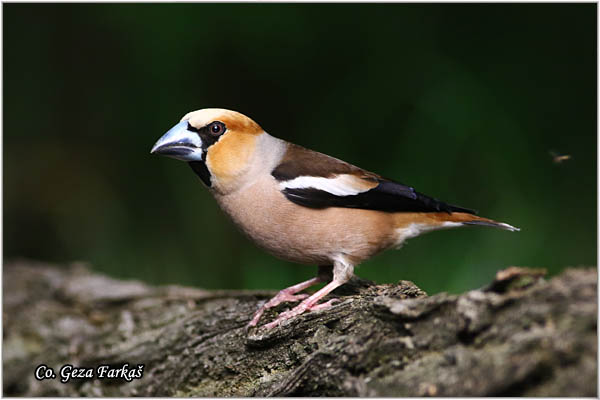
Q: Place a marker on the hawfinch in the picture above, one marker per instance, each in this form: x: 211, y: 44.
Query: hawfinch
x: 301, y: 205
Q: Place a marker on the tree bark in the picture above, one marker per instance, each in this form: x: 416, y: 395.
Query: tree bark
x: 521, y: 335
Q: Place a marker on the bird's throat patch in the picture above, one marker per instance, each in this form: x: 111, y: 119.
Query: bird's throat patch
x: 200, y: 168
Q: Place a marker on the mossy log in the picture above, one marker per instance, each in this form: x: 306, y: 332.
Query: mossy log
x: 521, y: 335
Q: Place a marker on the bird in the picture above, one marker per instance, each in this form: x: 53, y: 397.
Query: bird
x: 303, y: 206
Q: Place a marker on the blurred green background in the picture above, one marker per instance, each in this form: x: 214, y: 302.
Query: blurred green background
x: 463, y: 102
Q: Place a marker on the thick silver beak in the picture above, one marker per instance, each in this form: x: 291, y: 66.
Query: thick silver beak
x: 179, y: 143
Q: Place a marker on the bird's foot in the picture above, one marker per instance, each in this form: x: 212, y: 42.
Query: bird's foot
x: 299, y: 309
x: 281, y: 297
x: 288, y: 294
x: 274, y: 302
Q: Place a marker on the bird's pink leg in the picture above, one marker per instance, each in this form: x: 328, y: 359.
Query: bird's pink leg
x: 288, y: 294
x: 342, y: 272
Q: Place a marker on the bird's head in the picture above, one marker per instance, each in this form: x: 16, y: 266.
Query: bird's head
x: 217, y: 143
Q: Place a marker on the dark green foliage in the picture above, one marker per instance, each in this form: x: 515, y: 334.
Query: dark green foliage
x: 462, y: 102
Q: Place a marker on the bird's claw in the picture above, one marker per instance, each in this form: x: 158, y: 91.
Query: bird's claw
x: 275, y: 301
x: 299, y: 309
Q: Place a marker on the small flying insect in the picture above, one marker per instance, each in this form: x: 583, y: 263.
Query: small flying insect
x: 558, y: 158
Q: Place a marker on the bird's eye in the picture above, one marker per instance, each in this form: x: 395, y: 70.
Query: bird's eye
x: 217, y: 128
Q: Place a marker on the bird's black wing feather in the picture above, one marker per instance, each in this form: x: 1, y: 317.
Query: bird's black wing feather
x: 387, y: 196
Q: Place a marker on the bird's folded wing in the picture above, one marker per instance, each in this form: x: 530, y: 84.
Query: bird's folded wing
x: 316, y: 180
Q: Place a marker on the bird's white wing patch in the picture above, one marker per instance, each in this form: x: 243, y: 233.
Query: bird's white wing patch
x: 341, y: 185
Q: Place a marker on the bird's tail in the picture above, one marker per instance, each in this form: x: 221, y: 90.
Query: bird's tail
x: 470, y: 219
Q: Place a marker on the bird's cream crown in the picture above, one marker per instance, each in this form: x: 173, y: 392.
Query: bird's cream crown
x: 235, y: 121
